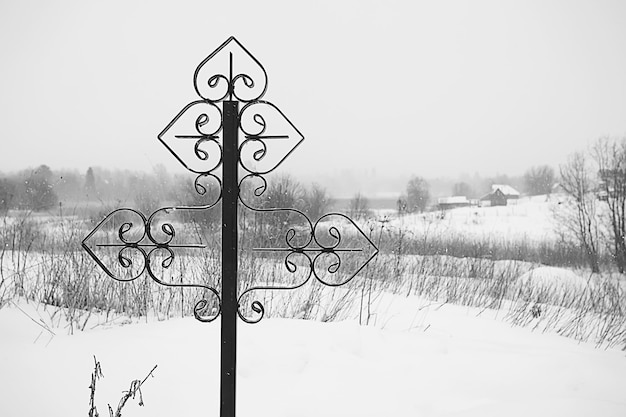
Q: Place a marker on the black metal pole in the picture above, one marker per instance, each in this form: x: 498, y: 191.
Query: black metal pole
x: 230, y: 124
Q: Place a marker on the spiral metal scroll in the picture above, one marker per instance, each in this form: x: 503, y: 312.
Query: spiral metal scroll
x: 312, y: 251
x: 246, y: 82
x: 270, y: 137
x: 148, y: 243
x: 195, y: 136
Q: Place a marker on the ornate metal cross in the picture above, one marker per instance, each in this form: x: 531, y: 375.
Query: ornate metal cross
x: 204, y: 137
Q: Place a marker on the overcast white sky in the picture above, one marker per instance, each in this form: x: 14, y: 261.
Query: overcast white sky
x: 435, y: 88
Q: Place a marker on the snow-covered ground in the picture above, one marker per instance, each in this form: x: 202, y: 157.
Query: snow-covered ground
x: 419, y: 360
x: 530, y: 218
x: 416, y: 358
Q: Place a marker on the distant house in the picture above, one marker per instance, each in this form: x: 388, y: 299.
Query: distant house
x: 558, y: 189
x: 610, y: 182
x: 603, y: 195
x: 446, y: 203
x: 500, y: 195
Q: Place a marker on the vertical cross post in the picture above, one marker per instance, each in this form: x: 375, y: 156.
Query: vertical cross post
x: 229, y: 257
x: 147, y: 243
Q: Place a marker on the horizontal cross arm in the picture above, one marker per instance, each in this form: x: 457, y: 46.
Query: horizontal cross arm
x: 148, y: 245
x: 307, y: 250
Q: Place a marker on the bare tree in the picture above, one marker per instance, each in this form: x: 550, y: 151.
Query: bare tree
x: 284, y: 191
x: 7, y: 194
x: 201, y: 192
x: 578, y: 214
x: 539, y: 180
x: 462, y: 188
x: 90, y: 183
x: 359, y: 207
x: 610, y: 157
x: 402, y: 205
x: 146, y: 193
x: 38, y: 193
x: 317, y: 201
x: 417, y: 194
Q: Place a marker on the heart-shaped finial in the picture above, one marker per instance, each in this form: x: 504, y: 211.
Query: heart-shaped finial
x: 230, y: 72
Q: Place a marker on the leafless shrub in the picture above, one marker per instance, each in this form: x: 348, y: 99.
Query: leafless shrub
x: 577, y: 215
x: 359, y: 207
x: 45, y: 263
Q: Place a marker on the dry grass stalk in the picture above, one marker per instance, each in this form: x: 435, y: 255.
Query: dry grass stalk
x: 135, y: 389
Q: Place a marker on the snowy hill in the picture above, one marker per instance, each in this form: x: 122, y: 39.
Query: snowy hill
x: 530, y: 218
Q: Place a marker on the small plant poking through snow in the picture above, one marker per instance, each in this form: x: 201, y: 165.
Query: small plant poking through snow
x: 135, y: 388
x: 97, y: 374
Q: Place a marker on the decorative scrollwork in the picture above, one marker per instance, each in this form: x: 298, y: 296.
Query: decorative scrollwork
x: 329, y: 241
x: 319, y: 252
x: 197, y: 137
x: 202, y: 304
x: 142, y: 246
x: 125, y: 260
x: 292, y: 267
x: 202, y: 189
x: 256, y: 306
x: 270, y: 137
x: 246, y: 82
x: 193, y: 137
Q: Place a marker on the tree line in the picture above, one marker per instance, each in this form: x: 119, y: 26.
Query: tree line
x: 28, y: 189
x: 42, y: 189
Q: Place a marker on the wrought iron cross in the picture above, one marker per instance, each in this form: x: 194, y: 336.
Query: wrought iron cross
x: 204, y: 137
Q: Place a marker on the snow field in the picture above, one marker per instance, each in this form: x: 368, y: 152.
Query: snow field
x: 434, y: 360
x: 530, y: 218
x: 440, y: 338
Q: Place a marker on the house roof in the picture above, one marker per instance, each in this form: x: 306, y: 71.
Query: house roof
x: 507, y: 190
x: 495, y: 193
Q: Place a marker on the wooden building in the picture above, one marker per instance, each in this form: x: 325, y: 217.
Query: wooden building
x: 500, y: 195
